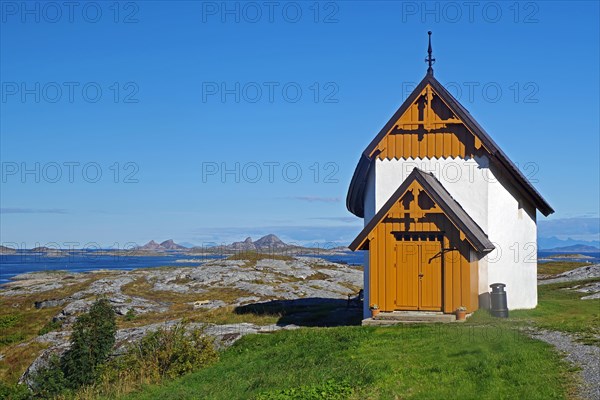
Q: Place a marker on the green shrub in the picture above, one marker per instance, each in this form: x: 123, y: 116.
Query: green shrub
x: 169, y: 353
x: 8, y: 321
x: 49, y: 381
x: 329, y: 390
x: 91, y: 342
x: 16, y: 337
x: 14, y: 392
x: 130, y: 315
x: 163, y: 354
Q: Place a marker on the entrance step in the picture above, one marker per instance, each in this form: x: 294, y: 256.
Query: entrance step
x: 408, y: 317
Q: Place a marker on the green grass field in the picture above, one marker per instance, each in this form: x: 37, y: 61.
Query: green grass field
x: 454, y: 361
x: 483, y: 358
x: 558, y: 267
x: 563, y: 310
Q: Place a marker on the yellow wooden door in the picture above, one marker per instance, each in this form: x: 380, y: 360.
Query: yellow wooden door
x: 419, y: 275
x: 430, y: 276
x: 407, y: 268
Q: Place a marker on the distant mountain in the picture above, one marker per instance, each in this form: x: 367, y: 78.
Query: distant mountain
x: 247, y: 244
x: 171, y: 245
x: 166, y: 245
x: 554, y: 242
x: 576, y: 248
x: 268, y: 242
x: 151, y: 245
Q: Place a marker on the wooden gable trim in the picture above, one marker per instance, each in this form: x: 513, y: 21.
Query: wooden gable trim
x: 432, y: 125
x: 474, y: 235
x: 446, y: 98
x: 355, y: 197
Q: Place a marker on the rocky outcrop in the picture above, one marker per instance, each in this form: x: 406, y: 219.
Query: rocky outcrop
x: 120, y: 302
x: 592, y: 290
x: 223, y: 335
x: 263, y: 280
x: 231, y: 285
x: 577, y: 274
x: 50, y: 303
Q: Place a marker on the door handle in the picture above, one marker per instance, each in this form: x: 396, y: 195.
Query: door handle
x: 420, y: 275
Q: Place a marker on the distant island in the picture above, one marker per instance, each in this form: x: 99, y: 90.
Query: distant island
x: 576, y: 248
x: 7, y: 250
x: 577, y: 256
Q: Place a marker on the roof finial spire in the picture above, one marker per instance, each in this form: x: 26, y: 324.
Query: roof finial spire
x: 429, y: 60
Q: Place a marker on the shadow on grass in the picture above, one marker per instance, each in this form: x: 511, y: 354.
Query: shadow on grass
x: 312, y: 311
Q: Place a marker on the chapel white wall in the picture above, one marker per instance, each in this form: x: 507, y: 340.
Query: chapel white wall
x: 493, y: 205
x: 513, y: 230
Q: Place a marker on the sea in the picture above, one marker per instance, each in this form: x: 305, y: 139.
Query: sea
x: 592, y: 257
x: 90, y: 260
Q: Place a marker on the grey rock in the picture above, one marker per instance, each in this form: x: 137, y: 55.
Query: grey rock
x: 50, y: 303
x: 209, y: 305
x: 577, y: 274
x: 120, y: 302
x: 223, y: 335
x: 246, y: 300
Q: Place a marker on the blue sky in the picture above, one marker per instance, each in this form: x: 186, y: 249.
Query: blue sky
x: 161, y: 97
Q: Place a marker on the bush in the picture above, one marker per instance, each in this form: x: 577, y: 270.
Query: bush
x: 91, y: 342
x: 163, y: 354
x: 168, y: 353
x: 6, y: 340
x: 130, y: 315
x: 49, y: 381
x: 14, y: 392
x: 329, y: 390
x: 8, y: 321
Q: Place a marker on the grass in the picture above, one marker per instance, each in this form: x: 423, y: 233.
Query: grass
x: 558, y: 310
x: 563, y: 310
x: 180, y: 307
x: 407, y: 362
x: 252, y: 257
x: 483, y: 358
x: 17, y: 359
x: 141, y: 287
x: 558, y: 267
